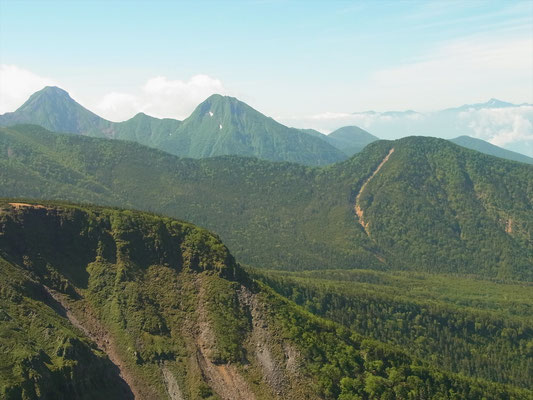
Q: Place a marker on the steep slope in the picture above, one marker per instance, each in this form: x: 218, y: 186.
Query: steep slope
x: 350, y: 139
x: 433, y: 206
x: 219, y: 126
x: 223, y: 125
x: 166, y: 301
x: 433, y: 201
x: 488, y: 148
x: 53, y: 109
x: 151, y: 293
x: 43, y: 356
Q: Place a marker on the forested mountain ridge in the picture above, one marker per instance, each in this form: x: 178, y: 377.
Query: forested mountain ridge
x: 220, y: 125
x: 488, y: 148
x: 151, y: 307
x: 235, y: 129
x: 433, y: 206
x: 350, y: 139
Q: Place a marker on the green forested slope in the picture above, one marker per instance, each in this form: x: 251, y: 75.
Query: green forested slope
x: 166, y: 302
x: 433, y: 202
x: 476, y: 327
x: 433, y: 206
x: 488, y: 148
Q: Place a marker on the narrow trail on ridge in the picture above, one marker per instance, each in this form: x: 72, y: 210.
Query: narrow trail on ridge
x: 358, y: 210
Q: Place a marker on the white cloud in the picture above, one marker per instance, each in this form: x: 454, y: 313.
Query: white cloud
x: 329, y: 121
x: 118, y: 106
x: 510, y: 127
x: 501, y: 126
x: 17, y: 84
x: 160, y: 97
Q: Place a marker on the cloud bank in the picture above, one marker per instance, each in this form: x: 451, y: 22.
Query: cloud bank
x: 160, y: 97
x: 510, y: 127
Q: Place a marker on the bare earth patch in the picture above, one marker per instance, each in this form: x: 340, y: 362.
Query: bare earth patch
x: 224, y: 379
x: 358, y: 210
x: 21, y: 205
x: 173, y: 389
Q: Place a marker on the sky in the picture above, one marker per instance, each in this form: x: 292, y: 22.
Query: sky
x: 301, y: 62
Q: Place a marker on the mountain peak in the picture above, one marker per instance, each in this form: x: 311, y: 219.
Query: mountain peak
x: 54, y: 109
x: 220, y: 105
x: 48, y: 93
x: 350, y: 139
x: 220, y: 98
x: 498, y: 103
x: 54, y: 90
x: 224, y: 125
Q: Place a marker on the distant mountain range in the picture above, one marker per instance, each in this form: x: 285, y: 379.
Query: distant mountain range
x: 223, y: 125
x: 492, y: 103
x: 219, y: 126
x: 502, y: 123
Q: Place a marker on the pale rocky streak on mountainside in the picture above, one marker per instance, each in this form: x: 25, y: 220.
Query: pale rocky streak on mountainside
x: 358, y: 210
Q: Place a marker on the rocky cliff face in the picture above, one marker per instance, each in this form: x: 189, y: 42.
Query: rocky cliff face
x: 152, y: 307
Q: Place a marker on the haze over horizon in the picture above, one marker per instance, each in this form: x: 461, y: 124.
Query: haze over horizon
x: 306, y: 66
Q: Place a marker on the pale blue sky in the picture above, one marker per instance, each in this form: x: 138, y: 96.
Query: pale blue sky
x: 286, y: 58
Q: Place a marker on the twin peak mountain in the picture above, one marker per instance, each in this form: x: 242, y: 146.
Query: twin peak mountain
x: 220, y: 125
